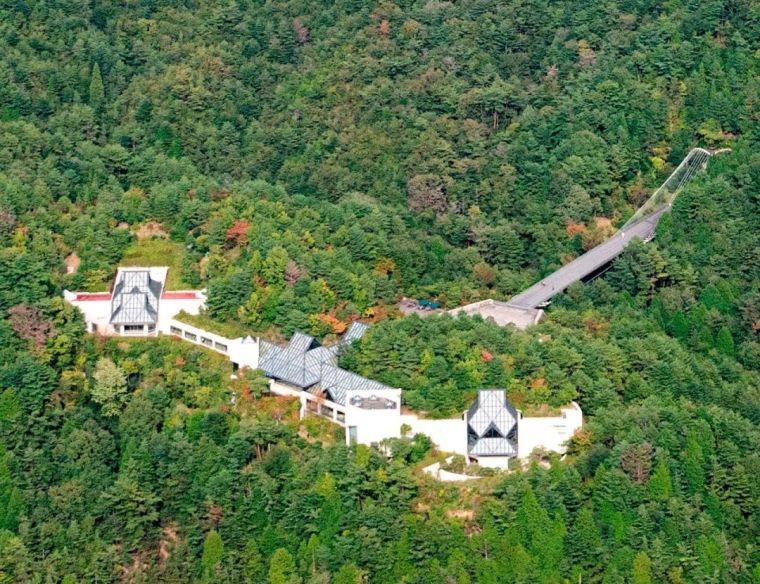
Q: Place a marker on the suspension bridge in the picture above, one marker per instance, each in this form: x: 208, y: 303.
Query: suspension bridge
x: 642, y: 225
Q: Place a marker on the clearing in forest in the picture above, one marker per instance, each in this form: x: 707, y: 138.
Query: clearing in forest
x: 158, y: 252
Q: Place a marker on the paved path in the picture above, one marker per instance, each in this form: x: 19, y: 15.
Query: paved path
x: 540, y: 293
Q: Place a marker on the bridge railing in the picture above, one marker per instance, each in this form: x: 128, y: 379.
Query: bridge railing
x: 641, y: 225
x: 695, y: 160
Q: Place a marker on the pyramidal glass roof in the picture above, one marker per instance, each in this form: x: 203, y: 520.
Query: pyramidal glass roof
x: 492, y: 425
x: 135, y: 298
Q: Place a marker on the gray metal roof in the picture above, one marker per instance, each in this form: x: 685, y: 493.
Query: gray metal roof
x: 306, y: 364
x: 337, y: 382
x: 355, y: 332
x: 135, y: 298
x: 302, y: 342
x: 290, y: 364
x: 492, y: 425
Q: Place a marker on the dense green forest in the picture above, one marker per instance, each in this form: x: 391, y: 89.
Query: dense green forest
x: 313, y: 162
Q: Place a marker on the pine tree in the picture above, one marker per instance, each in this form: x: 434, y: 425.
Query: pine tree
x: 585, y: 540
x: 456, y: 568
x: 97, y: 90
x: 642, y: 569
x: 694, y: 464
x: 213, y: 549
x: 679, y: 326
x: 724, y: 342
x: 329, y: 511
x: 10, y: 406
x: 10, y: 496
x: 282, y: 568
x: 348, y: 574
x: 110, y: 387
x: 253, y: 566
x: 660, y: 486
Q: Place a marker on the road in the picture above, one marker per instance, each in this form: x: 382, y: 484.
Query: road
x: 582, y: 266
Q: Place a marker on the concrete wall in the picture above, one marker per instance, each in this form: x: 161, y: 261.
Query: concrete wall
x: 96, y: 309
x: 448, y: 435
x: 284, y: 389
x: 446, y: 476
x: 549, y: 433
x: 97, y: 312
x: 242, y: 351
x: 170, y: 307
x: 373, y: 425
x: 500, y: 462
x: 310, y: 403
x: 502, y: 313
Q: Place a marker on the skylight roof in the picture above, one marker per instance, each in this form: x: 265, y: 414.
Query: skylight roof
x: 135, y: 298
x: 492, y: 425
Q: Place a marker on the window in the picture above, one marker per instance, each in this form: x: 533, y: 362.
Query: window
x: 492, y: 432
x: 190, y: 336
x: 151, y: 328
x: 93, y: 327
x: 132, y: 329
x: 207, y: 342
x: 221, y: 347
x: 352, y: 435
x: 175, y: 331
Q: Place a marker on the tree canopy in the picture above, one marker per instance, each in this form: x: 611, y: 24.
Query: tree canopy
x: 311, y: 163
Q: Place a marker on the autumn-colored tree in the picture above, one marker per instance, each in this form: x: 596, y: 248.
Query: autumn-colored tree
x: 238, y: 233
x: 302, y: 33
x: 636, y: 461
x: 30, y: 324
x: 427, y: 193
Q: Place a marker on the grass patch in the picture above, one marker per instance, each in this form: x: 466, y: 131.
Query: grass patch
x: 320, y: 430
x: 159, y: 252
x: 205, y: 322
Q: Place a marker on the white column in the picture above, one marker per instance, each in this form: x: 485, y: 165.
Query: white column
x: 302, y: 411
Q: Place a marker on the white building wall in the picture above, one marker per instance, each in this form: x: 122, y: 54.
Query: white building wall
x: 284, y: 389
x: 448, y: 435
x: 168, y: 308
x: 500, y: 462
x: 242, y: 351
x: 435, y: 470
x: 549, y: 433
x: 311, y: 403
x: 373, y: 425
x: 97, y: 312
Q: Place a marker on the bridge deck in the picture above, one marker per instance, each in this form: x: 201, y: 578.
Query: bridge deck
x: 588, y: 263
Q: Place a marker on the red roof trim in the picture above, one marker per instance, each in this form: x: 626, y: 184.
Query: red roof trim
x: 180, y: 296
x: 86, y: 296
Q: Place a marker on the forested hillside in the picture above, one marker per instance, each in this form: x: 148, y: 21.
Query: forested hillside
x: 311, y: 163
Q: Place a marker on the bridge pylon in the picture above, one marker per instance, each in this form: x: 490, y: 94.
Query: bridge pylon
x: 693, y: 162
